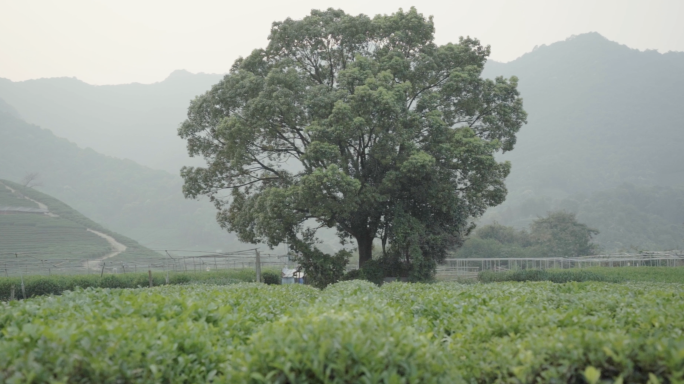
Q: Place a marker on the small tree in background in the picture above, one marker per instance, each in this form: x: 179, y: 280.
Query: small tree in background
x: 31, y: 180
x: 360, y: 124
x: 560, y: 234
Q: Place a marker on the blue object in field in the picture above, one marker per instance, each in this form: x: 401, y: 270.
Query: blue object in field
x: 300, y: 280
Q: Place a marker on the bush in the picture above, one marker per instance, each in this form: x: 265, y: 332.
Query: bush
x: 42, y: 287
x: 271, y: 278
x: 354, y: 331
x: 373, y: 271
x: 354, y: 274
x: 553, y: 275
x: 341, y: 347
x: 56, y: 284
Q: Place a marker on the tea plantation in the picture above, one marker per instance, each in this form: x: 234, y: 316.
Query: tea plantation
x: 60, y: 236
x: 351, y: 332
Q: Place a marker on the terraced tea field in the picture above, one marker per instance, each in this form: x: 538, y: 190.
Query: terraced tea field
x: 36, y: 238
x: 32, y: 235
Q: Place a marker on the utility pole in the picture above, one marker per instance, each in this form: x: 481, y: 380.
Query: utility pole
x: 258, y: 266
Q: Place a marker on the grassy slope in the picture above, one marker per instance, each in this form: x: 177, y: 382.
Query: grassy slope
x: 8, y: 199
x: 61, y: 237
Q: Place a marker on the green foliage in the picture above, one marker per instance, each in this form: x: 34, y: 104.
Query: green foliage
x: 555, y: 276
x: 659, y: 274
x: 354, y: 274
x: 281, y: 352
x: 358, y: 124
x: 57, y: 284
x: 350, y: 332
x: 616, y: 274
x: 271, y: 278
x: 322, y: 269
x: 559, y: 234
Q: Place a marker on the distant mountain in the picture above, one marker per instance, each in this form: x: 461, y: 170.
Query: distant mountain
x: 6, y: 109
x: 600, y: 115
x: 131, y: 121
x: 125, y: 197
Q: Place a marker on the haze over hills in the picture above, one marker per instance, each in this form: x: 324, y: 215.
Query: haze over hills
x: 605, y: 131
x: 131, y: 121
x: 136, y: 201
x: 605, y: 125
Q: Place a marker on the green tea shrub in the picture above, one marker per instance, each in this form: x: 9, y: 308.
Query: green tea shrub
x: 271, y: 278
x: 341, y: 347
x: 112, y: 281
x: 56, y: 284
x: 40, y: 287
x: 353, y: 331
x: 553, y: 275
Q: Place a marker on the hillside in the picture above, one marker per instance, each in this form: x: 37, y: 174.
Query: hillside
x: 131, y: 121
x: 602, y: 116
x: 127, y: 198
x: 53, y: 231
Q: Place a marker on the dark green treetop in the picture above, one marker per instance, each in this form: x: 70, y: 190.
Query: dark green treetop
x: 355, y: 123
x: 560, y: 234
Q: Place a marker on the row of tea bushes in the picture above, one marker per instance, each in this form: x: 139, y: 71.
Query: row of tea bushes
x: 617, y: 274
x: 553, y: 275
x: 56, y: 284
x: 351, y: 332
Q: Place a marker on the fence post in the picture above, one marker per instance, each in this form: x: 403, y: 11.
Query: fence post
x: 23, y: 290
x: 103, y: 265
x: 12, y: 293
x: 149, y: 274
x: 258, y: 266
x: 167, y: 277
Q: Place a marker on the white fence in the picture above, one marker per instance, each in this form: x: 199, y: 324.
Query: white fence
x: 454, y: 268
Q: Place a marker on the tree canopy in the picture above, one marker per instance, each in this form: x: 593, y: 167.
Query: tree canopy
x: 558, y: 234
x: 360, y: 124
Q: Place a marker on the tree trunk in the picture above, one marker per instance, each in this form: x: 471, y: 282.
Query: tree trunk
x: 365, y: 244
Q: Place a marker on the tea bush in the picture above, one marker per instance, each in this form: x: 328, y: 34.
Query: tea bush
x: 617, y: 274
x: 553, y: 275
x: 56, y: 284
x: 353, y: 331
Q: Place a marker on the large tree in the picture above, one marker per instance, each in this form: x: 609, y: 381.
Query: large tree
x: 355, y: 123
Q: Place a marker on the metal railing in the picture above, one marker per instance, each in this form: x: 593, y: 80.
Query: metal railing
x: 454, y: 268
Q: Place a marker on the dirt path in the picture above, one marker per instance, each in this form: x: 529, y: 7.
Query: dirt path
x: 116, y: 246
x: 40, y: 205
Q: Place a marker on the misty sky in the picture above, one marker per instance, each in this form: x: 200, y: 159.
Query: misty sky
x: 124, y: 41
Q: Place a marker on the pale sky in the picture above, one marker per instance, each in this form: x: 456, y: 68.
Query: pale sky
x: 125, y: 41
